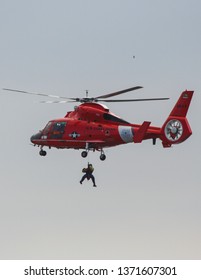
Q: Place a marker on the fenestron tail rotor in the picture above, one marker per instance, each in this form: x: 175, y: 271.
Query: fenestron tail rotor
x: 100, y: 98
x: 173, y: 130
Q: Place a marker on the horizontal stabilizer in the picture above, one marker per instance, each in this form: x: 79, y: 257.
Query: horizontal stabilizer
x: 139, y: 135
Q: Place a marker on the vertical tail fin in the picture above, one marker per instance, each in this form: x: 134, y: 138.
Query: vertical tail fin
x: 176, y: 128
x: 181, y: 107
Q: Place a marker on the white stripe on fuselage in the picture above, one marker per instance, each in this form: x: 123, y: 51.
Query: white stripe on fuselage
x: 126, y: 133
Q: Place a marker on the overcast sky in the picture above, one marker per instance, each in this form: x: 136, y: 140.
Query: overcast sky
x: 147, y: 203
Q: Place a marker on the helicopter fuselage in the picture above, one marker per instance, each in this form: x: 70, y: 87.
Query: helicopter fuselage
x: 91, y: 126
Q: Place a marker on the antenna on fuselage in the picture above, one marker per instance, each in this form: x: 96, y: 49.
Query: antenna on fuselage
x: 87, y: 93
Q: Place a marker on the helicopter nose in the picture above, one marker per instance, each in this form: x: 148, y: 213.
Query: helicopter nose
x: 36, y: 137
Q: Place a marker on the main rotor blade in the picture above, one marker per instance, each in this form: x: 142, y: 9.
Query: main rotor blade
x: 40, y: 94
x: 131, y: 100
x: 57, y: 101
x: 118, y: 92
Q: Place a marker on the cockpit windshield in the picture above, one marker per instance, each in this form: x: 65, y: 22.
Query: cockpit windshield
x: 54, y: 129
x: 47, y: 128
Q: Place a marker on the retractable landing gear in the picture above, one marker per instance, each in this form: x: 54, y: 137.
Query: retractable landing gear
x: 84, y: 154
x: 102, y: 156
x: 42, y: 153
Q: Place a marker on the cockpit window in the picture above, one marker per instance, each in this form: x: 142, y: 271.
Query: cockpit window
x: 59, y: 126
x: 112, y: 118
x: 58, y: 130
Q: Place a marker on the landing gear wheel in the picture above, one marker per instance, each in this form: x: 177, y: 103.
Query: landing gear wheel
x: 42, y: 153
x: 102, y: 157
x: 84, y: 154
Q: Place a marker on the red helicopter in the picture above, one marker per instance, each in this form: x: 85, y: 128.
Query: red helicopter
x: 92, y: 127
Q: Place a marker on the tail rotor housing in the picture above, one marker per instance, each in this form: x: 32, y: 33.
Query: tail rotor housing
x: 176, y: 128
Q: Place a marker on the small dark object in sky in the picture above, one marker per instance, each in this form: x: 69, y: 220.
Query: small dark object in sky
x: 133, y: 56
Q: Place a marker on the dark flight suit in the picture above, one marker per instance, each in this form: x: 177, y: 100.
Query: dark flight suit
x: 89, y: 170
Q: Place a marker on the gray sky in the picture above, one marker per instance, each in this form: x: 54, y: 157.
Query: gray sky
x: 147, y: 204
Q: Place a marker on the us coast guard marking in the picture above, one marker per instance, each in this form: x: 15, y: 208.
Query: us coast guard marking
x: 74, y: 135
x: 126, y: 133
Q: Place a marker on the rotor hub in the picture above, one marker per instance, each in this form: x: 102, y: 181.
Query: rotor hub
x: 174, y: 130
